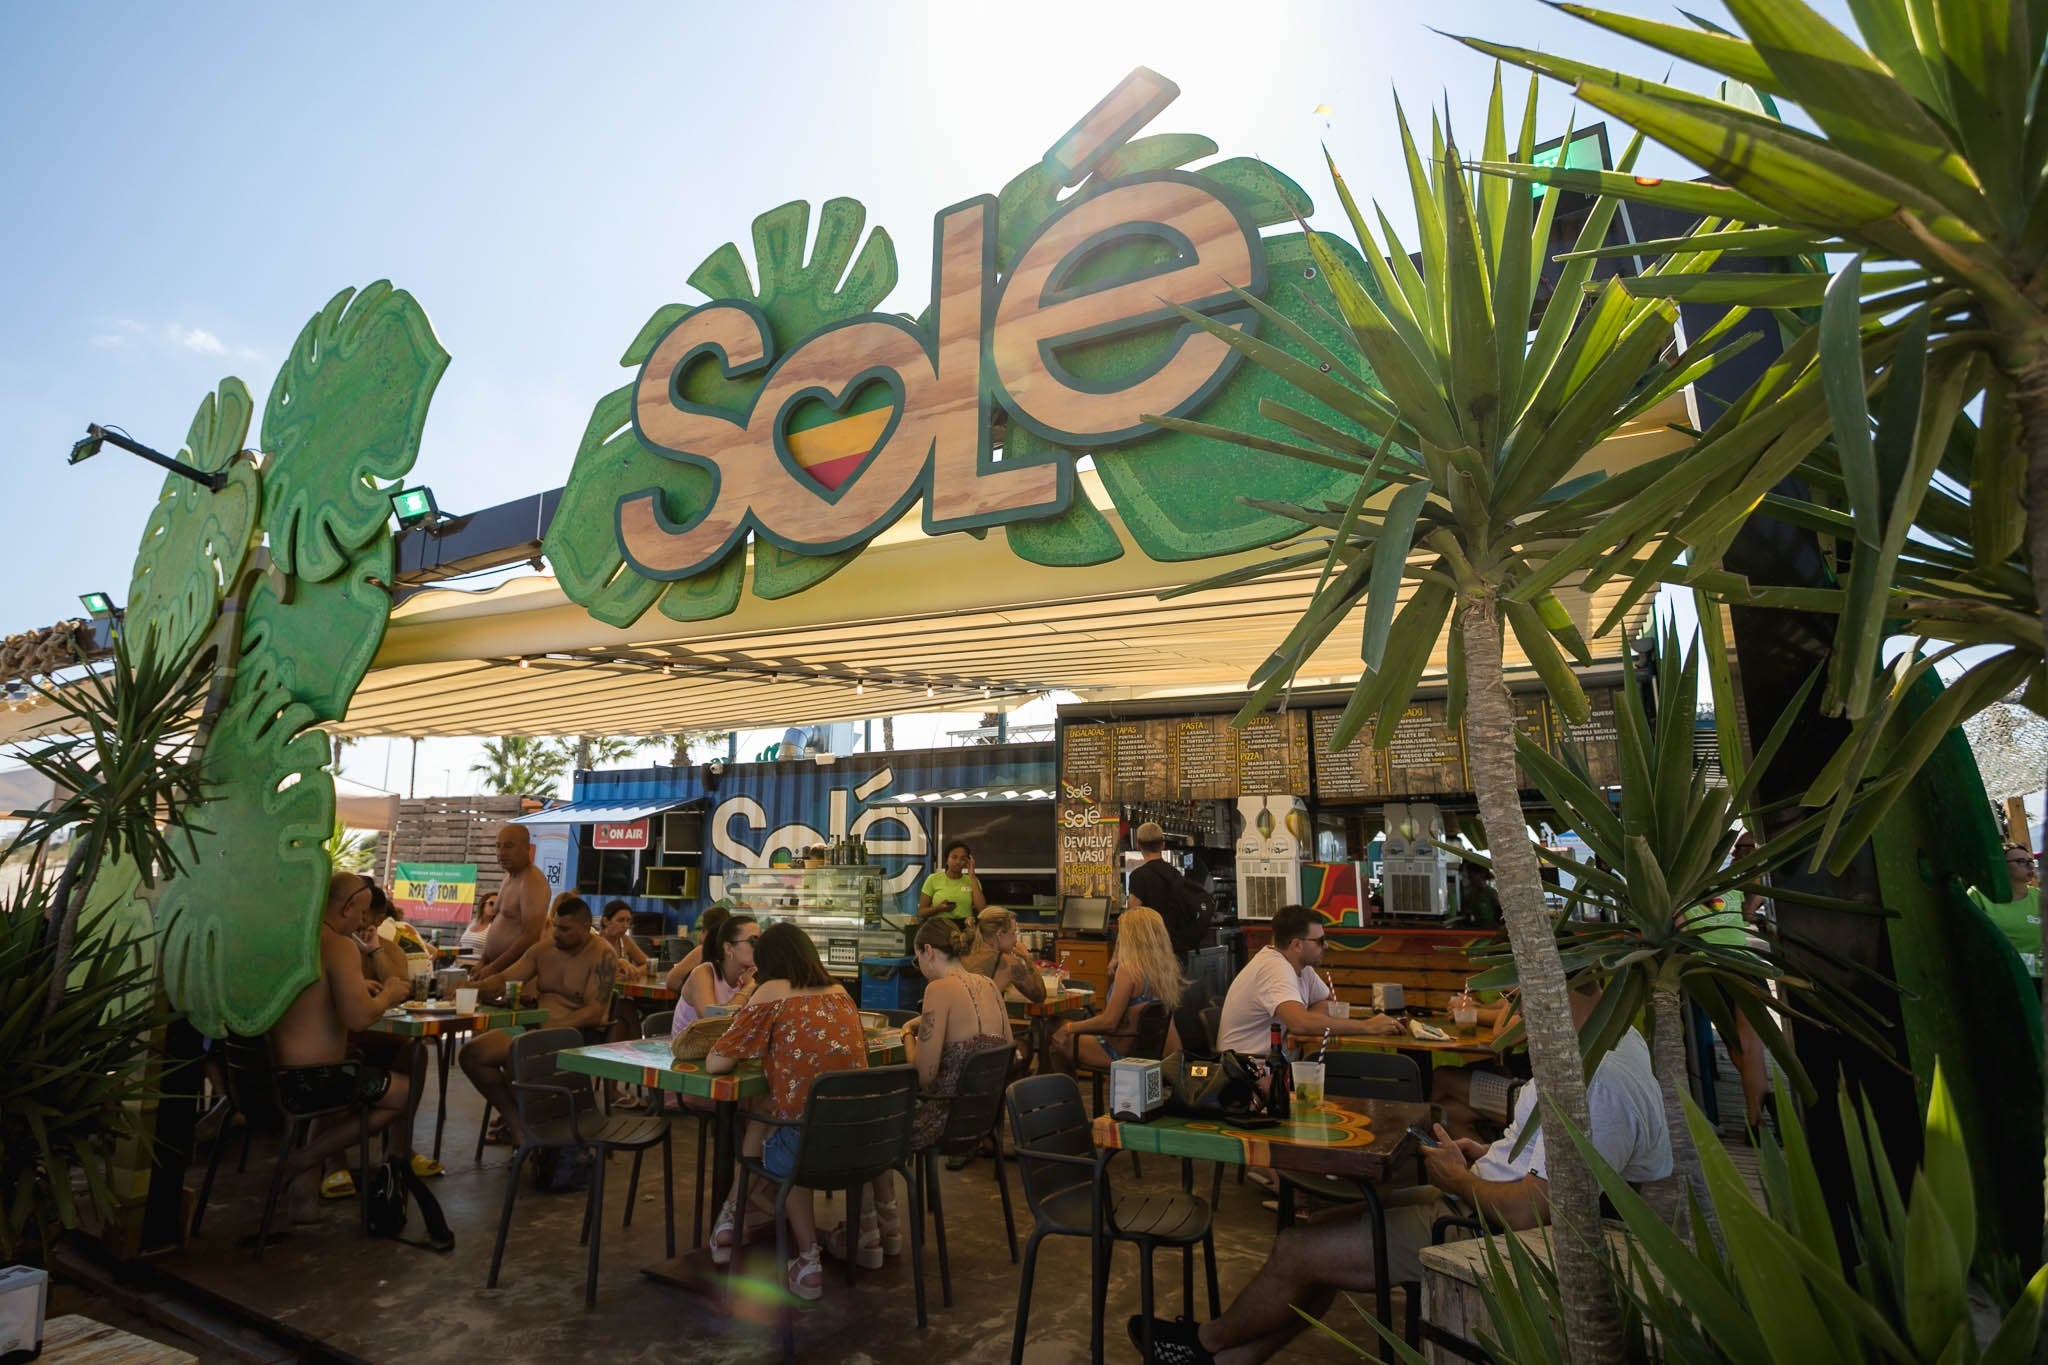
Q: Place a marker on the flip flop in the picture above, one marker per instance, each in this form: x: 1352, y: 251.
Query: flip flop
x: 424, y: 1165
x: 498, y: 1135
x: 338, y: 1185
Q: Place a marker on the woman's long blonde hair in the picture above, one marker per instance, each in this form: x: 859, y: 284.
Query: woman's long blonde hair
x: 1142, y: 941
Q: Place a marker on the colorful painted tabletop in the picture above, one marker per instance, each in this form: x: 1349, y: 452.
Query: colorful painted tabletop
x: 1054, y: 1005
x: 435, y: 1023
x: 1457, y: 1050
x: 646, y: 1061
x: 1364, y: 1139
x: 645, y: 990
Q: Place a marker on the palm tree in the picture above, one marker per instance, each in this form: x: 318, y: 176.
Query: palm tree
x: 595, y: 751
x: 517, y: 765
x: 1480, y: 424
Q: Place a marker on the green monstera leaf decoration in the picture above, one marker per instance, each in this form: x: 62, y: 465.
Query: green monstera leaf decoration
x: 315, y: 640
x: 797, y: 296
x: 197, y: 539
x: 346, y: 411
x: 240, y: 925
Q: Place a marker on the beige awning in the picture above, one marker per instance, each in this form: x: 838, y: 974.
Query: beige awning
x: 915, y: 623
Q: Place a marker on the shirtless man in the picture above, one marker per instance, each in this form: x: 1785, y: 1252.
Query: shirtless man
x: 572, y: 972
x: 522, y: 906
x: 311, y: 1041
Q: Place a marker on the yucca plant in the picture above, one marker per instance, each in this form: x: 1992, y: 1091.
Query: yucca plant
x: 1785, y: 1290
x: 1926, y: 164
x: 1663, y: 847
x: 1480, y: 425
x: 72, y: 1076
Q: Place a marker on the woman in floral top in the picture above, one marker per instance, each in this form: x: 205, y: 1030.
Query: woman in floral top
x: 800, y: 1023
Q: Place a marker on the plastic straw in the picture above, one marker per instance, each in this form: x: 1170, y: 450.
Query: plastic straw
x: 1324, y: 1048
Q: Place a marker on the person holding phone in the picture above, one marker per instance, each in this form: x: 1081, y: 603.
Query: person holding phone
x: 1312, y: 1262
x: 954, y: 890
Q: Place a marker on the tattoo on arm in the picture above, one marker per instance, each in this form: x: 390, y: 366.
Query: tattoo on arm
x: 607, y: 973
x: 924, y: 1028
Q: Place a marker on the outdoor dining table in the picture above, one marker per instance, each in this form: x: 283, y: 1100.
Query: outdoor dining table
x: 647, y: 1062
x: 440, y: 1024
x: 1459, y: 1050
x: 1041, y: 1013
x: 1366, y: 1141
x: 646, y: 990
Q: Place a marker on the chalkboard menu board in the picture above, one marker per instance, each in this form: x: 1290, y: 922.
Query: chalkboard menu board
x: 1426, y: 756
x: 1186, y: 758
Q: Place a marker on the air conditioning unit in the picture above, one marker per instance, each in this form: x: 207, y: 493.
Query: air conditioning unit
x: 1272, y: 843
x: 1415, y: 875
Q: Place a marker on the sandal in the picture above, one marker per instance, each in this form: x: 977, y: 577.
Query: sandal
x: 722, y: 1239
x: 890, y: 1226
x: 806, y: 1276
x: 868, y: 1255
x: 338, y: 1185
x: 627, y: 1103
x: 499, y: 1134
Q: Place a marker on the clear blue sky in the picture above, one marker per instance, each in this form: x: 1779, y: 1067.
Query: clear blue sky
x: 186, y: 185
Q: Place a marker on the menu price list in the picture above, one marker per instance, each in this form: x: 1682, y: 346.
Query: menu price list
x: 1185, y: 758
x: 1427, y: 757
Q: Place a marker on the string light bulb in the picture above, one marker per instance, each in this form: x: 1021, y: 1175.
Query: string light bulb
x: 860, y: 689
x: 525, y: 662
x: 928, y: 690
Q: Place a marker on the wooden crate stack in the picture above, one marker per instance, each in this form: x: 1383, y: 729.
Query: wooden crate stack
x: 452, y: 829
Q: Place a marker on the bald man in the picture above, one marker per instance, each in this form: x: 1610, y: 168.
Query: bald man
x: 522, y: 906
x: 310, y: 1042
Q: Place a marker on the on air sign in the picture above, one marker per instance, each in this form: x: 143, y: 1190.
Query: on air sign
x: 626, y: 834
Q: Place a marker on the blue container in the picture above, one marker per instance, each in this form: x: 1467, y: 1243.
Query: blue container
x: 891, y: 983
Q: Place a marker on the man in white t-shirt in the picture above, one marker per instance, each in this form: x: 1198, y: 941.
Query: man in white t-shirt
x: 1280, y: 982
x: 1312, y: 1262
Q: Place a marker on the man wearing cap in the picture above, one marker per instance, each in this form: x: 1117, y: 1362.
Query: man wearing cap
x: 1157, y: 885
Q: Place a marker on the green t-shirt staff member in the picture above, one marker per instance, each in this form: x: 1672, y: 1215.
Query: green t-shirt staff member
x: 2019, y: 919
x: 954, y: 891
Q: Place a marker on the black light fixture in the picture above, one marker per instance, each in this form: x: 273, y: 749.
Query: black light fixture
x: 99, y: 605
x: 97, y: 435
x: 415, y: 506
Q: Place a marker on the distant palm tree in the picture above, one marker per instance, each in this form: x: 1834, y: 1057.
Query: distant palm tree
x: 520, y: 766
x: 595, y: 751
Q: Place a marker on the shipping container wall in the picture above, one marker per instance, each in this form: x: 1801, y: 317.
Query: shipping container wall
x: 754, y: 810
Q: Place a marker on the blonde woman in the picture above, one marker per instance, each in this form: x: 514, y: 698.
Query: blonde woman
x: 1144, y: 970
x: 995, y: 955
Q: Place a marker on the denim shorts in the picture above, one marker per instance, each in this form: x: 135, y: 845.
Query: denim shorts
x: 778, y: 1154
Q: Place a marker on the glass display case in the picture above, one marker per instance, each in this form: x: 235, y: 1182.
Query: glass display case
x: 839, y: 907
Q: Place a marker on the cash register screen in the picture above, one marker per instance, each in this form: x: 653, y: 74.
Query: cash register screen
x: 1084, y: 915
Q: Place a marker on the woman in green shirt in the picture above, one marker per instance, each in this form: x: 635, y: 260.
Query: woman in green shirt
x: 2019, y: 919
x: 954, y: 891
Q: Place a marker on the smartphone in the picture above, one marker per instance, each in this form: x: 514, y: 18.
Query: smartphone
x: 1426, y: 1139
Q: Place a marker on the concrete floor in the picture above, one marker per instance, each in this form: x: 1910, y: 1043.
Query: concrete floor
x: 383, y: 1301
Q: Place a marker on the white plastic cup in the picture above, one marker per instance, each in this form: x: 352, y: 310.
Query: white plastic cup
x: 1339, y: 1010
x: 1308, y: 1082
x: 465, y: 1000
x: 1053, y: 984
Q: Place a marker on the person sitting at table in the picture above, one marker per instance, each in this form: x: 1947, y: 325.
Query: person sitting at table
x: 996, y: 956
x: 963, y: 1013
x: 954, y: 890
x: 726, y: 976
x: 309, y: 1043
x: 1312, y: 1262
x: 1280, y: 984
x: 472, y: 940
x: 383, y: 959
x: 1467, y: 1094
x: 1145, y: 970
x: 385, y: 962
x: 572, y: 974
x: 616, y: 928
x: 706, y: 929
x: 800, y: 1024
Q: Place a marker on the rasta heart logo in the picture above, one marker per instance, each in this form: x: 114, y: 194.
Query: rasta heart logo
x: 788, y: 410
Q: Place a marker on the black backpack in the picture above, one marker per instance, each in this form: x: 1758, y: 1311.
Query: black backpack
x: 390, y: 1185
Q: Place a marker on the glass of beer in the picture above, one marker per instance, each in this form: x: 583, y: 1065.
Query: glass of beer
x: 512, y: 994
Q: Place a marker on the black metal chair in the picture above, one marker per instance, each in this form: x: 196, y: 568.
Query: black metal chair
x: 252, y: 1085
x: 855, y: 1128
x: 1066, y: 1186
x: 972, y: 1112
x: 558, y: 1111
x: 1150, y: 1042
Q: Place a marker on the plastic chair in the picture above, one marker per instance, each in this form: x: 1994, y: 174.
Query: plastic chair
x: 972, y: 1111
x: 1150, y: 1042
x: 1066, y: 1186
x: 558, y: 1110
x: 855, y: 1128
x: 252, y: 1076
